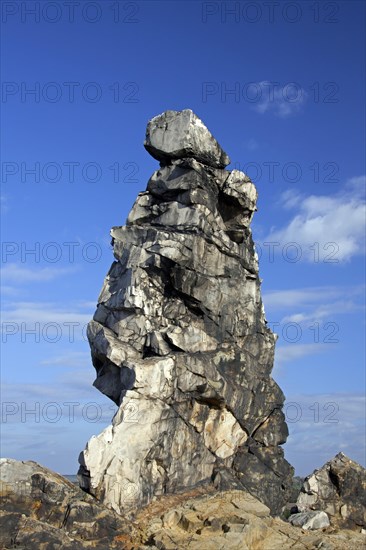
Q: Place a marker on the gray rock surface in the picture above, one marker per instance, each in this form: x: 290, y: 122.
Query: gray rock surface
x: 40, y: 509
x: 339, y: 489
x: 310, y: 520
x: 179, y: 340
x: 181, y: 134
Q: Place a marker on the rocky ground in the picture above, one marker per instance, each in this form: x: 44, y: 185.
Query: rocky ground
x: 232, y: 520
x: 41, y: 510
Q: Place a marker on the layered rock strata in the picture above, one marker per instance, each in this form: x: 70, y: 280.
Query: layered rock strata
x: 179, y: 339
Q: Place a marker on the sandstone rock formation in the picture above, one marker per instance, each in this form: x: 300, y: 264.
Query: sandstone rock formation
x: 179, y: 339
x: 339, y: 489
x: 230, y: 520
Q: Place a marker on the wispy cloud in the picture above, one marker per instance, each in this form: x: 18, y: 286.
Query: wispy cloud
x: 251, y: 144
x: 49, y: 321
x: 18, y: 273
x: 282, y: 101
x: 281, y: 299
x: 87, y: 304
x: 321, y: 425
x: 327, y: 229
x: 8, y: 290
x: 74, y: 386
x: 292, y: 352
x: 324, y: 311
x: 4, y: 206
x: 289, y: 355
x: 69, y: 359
x: 314, y: 303
x: 52, y: 423
x: 45, y: 312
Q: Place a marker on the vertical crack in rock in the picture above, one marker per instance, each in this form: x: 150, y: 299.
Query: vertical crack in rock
x: 179, y: 339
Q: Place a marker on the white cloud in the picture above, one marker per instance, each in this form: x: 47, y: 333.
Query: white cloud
x: 281, y: 299
x: 52, y: 423
x: 16, y: 273
x: 43, y: 321
x: 69, y: 359
x: 251, y: 144
x: 313, y: 303
x: 309, y: 313
x: 283, y: 101
x: 290, y: 198
x: 7, y: 290
x: 329, y: 229
x: 43, y: 312
x: 357, y: 185
x: 283, y: 354
x: 87, y: 304
x: 324, y: 311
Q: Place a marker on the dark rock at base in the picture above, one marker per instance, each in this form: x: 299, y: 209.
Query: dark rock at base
x: 254, y: 464
x: 339, y: 489
x: 42, y: 510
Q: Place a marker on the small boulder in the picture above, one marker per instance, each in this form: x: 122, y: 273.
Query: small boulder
x: 181, y: 134
x: 310, y: 520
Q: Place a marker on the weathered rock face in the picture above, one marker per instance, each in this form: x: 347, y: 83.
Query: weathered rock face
x: 179, y: 340
x: 339, y: 489
x: 40, y: 509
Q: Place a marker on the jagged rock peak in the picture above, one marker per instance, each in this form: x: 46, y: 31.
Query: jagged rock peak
x: 339, y: 489
x: 181, y: 134
x: 179, y: 339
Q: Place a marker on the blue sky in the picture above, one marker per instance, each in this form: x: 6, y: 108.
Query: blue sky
x: 282, y: 87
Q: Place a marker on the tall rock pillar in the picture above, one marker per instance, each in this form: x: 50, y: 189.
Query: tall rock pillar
x: 179, y: 339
